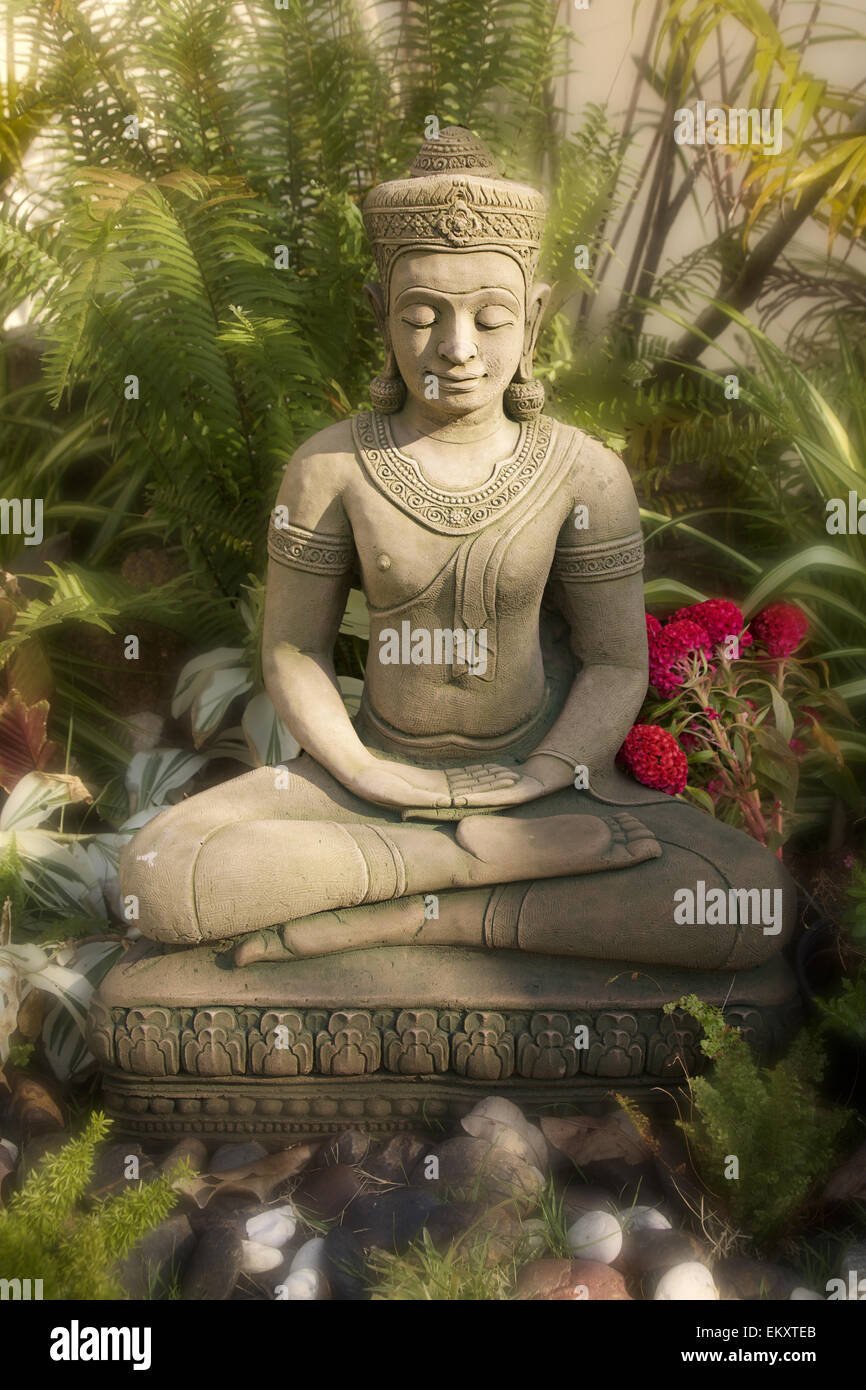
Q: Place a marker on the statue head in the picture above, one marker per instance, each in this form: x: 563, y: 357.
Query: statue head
x: 457, y: 247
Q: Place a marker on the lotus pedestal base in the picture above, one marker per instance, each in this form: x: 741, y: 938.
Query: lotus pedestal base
x: 397, y: 1038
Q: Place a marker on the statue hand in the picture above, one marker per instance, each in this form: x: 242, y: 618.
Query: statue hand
x: 481, y: 784
x: 489, y: 785
x: 397, y: 784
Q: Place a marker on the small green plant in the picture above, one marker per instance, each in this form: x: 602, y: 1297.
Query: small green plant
x: 846, y: 1013
x: 44, y: 1236
x: 427, y: 1275
x: 551, y: 1210
x: 767, y: 1118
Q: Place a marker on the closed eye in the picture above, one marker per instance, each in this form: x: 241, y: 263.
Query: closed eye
x: 422, y: 317
x: 494, y: 317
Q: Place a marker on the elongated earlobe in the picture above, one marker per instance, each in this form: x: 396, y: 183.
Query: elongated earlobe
x: 387, y: 389
x: 524, y: 396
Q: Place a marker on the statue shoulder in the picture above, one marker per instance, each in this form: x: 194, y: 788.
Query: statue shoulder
x: 600, y: 462
x: 603, y: 485
x: 316, y: 476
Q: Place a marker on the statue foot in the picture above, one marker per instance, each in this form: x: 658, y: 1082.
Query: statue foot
x: 394, y: 923
x: 554, y: 846
x: 262, y: 945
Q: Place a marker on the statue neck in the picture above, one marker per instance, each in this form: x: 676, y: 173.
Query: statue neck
x: 463, y: 452
x: 418, y: 421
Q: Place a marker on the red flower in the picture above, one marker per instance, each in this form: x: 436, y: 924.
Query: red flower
x: 780, y: 628
x: 797, y: 746
x: 654, y: 758
x: 653, y: 625
x: 669, y: 650
x: 719, y: 617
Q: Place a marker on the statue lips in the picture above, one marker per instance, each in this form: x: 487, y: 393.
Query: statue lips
x: 460, y: 383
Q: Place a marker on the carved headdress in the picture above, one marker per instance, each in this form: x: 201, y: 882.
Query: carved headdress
x: 454, y: 200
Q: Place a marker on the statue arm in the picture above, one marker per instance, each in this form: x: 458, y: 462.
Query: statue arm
x: 599, y: 574
x: 311, y: 553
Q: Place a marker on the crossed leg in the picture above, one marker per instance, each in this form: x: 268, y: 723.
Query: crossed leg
x: 224, y: 863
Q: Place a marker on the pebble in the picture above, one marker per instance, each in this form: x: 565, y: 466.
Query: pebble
x: 274, y: 1227
x: 311, y: 1255
x: 304, y: 1285
x: 390, y: 1220
x: 8, y: 1159
x: 344, y: 1265
x: 230, y: 1156
x: 39, y: 1147
x: 351, y: 1146
x: 396, y: 1159
x: 644, y: 1219
x: 491, y: 1232
x: 156, y: 1259
x: 325, y: 1193
x: 257, y: 1258
x: 597, y: 1235
x: 190, y: 1148
x: 118, y: 1168
x: 502, y: 1123
x: 690, y: 1281
x: 739, y: 1277
x: 804, y: 1295
x: 471, y: 1168
x: 651, y: 1252
x: 214, y: 1265
x: 570, y: 1281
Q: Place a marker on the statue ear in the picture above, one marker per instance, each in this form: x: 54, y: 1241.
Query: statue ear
x: 376, y: 298
x: 536, y: 305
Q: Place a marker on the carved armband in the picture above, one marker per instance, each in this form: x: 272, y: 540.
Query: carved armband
x: 587, y: 564
x: 317, y: 552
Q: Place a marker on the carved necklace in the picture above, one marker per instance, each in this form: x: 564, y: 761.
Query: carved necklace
x: 458, y: 512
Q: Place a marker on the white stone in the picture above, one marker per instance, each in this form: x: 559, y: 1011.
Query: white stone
x: 686, y: 1281
x: 272, y: 1227
x: 644, y: 1219
x: 802, y: 1295
x: 302, y: 1285
x: 310, y: 1256
x: 504, y: 1125
x: 257, y: 1258
x: 597, y: 1235
x: 11, y: 1149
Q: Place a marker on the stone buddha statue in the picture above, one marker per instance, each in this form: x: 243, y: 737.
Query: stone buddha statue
x: 474, y: 800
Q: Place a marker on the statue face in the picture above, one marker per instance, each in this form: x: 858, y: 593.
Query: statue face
x: 457, y: 323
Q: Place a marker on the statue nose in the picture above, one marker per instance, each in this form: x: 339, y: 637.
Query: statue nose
x: 458, y: 350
